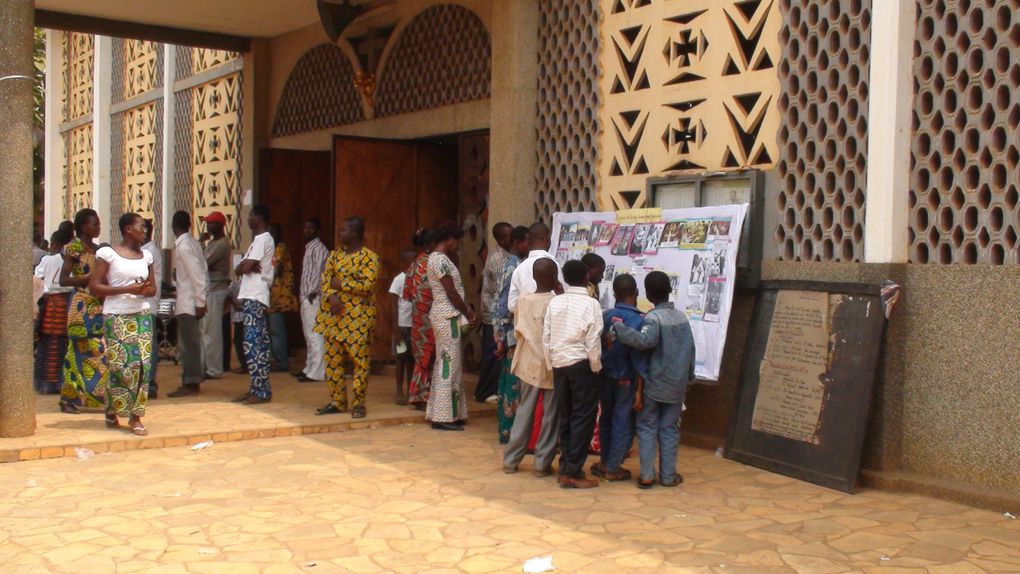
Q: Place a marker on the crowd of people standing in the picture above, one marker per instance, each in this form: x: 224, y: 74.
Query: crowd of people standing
x: 554, y: 354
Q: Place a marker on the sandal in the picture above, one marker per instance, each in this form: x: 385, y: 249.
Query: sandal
x: 645, y: 485
x: 358, y: 413
x: 111, y: 421
x: 138, y: 429
x: 69, y: 408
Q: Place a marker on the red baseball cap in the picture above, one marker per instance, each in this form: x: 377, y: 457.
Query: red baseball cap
x: 215, y: 217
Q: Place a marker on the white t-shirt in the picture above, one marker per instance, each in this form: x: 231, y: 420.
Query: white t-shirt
x: 255, y: 286
x: 403, y: 305
x: 48, y: 271
x: 124, y: 272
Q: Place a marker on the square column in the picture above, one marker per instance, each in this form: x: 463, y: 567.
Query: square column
x: 886, y: 237
x: 101, y: 126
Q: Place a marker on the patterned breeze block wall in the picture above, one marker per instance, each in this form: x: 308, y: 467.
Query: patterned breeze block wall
x: 78, y: 52
x: 688, y: 86
x: 207, y: 137
x: 568, y: 104
x: 964, y: 183
x: 823, y: 141
x: 319, y: 94
x: 442, y: 57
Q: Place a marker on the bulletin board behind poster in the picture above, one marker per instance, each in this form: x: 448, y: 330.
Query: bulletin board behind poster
x: 805, y: 388
x: 696, y: 247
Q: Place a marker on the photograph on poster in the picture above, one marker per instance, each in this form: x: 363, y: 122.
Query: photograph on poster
x: 567, y: 234
x: 719, y: 228
x: 621, y: 240
x: 699, y: 270
x: 717, y: 258
x: 654, y: 236
x: 606, y: 236
x: 671, y: 234
x: 610, y: 273
x: 695, y: 299
x: 674, y: 283
x: 581, y: 236
x: 695, y: 234
x: 642, y: 231
x: 713, y: 298
x: 595, y: 233
x: 562, y: 256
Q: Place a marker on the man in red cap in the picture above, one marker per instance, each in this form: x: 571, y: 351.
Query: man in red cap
x: 217, y: 257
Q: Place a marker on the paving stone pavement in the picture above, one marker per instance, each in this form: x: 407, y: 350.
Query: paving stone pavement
x: 410, y: 499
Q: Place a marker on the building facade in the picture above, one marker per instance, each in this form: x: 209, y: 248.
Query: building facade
x: 886, y: 134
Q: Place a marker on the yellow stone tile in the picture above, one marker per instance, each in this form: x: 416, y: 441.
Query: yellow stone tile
x: 29, y: 454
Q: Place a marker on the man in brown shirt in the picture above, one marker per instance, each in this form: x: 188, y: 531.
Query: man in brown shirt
x: 529, y: 365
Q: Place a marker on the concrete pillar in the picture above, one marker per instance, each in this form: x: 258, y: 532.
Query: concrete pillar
x: 53, y: 202
x: 102, y: 93
x: 886, y: 238
x: 169, y: 150
x: 513, y: 141
x: 17, y: 402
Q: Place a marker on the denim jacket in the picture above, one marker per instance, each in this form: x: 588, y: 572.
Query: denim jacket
x: 668, y: 335
x: 619, y: 361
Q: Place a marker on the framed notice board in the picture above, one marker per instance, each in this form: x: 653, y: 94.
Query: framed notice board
x: 805, y: 387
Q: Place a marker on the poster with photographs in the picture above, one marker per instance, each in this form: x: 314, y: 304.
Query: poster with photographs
x: 695, y: 247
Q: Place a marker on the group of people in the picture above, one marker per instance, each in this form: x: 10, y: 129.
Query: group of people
x: 563, y: 354
x: 553, y: 352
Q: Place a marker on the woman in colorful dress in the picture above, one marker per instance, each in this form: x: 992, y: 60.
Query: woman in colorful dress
x: 52, y: 318
x: 123, y: 278
x: 85, y: 368
x: 423, y: 343
x: 447, y: 406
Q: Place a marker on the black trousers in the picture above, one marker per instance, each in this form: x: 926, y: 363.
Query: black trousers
x: 577, y: 396
x: 488, y: 373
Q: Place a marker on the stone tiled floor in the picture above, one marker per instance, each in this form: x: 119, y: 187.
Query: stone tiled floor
x: 409, y: 499
x: 211, y: 415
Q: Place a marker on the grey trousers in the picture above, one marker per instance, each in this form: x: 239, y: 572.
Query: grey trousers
x: 212, y: 332
x: 524, y: 420
x: 189, y: 350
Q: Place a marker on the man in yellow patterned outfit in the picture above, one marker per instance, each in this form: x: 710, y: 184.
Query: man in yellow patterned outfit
x: 347, y: 316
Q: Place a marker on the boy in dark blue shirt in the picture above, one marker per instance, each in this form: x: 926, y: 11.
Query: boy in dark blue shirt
x: 621, y: 367
x: 667, y: 334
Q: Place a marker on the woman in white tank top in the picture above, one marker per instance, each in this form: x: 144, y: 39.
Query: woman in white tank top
x: 123, y: 279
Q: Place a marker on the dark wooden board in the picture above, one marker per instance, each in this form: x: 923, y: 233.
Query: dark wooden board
x: 855, y: 342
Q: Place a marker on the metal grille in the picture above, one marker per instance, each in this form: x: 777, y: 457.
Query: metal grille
x: 319, y: 94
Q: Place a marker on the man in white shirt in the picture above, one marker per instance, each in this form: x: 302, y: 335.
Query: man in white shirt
x: 572, y: 336
x: 157, y: 268
x: 191, y: 278
x: 256, y: 275
x: 314, y: 261
x: 523, y: 280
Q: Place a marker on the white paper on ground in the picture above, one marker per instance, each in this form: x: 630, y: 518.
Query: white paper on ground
x: 539, y: 564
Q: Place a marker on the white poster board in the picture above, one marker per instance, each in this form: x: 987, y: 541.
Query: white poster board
x: 696, y: 247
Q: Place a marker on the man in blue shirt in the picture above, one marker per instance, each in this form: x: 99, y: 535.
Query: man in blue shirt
x: 621, y: 365
x: 667, y: 335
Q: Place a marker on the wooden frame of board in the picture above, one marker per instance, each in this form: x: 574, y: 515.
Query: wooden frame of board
x: 856, y: 328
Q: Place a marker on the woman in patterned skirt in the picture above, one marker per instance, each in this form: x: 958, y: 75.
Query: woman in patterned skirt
x: 85, y: 368
x: 52, y: 319
x: 423, y: 343
x: 447, y: 407
x: 124, y: 279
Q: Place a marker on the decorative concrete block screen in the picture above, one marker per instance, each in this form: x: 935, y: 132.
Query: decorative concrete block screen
x: 964, y: 153
x: 442, y: 57
x: 568, y: 104
x: 78, y: 51
x: 319, y: 94
x: 824, y: 137
x: 689, y: 87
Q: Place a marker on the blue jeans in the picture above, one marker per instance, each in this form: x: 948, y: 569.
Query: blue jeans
x: 658, y: 427
x: 278, y: 336
x: 616, y: 425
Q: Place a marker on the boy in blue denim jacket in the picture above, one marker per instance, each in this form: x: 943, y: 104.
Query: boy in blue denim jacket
x: 667, y: 334
x: 621, y: 366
